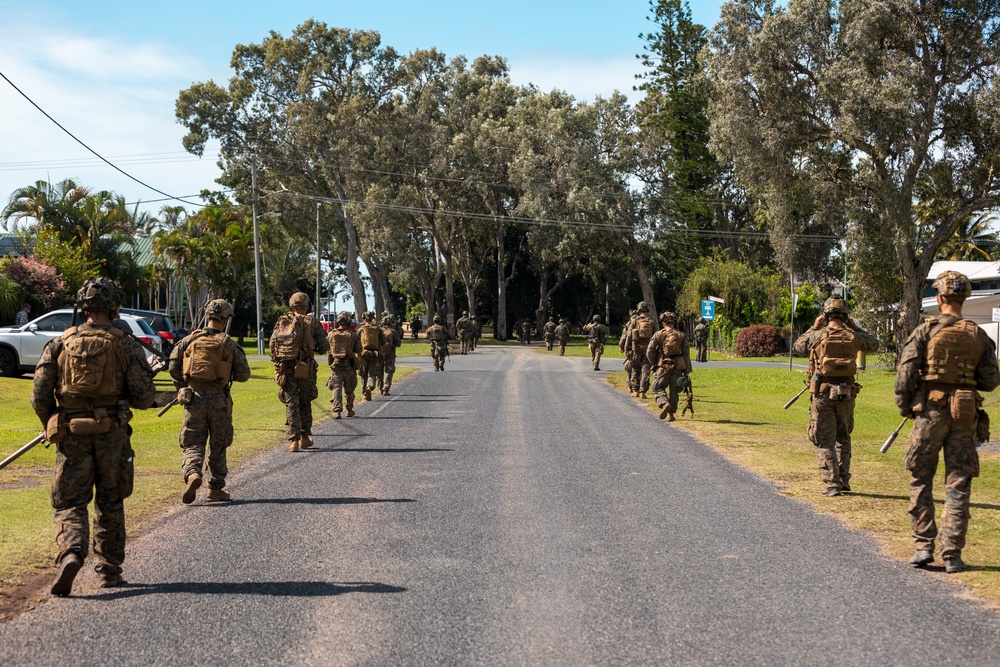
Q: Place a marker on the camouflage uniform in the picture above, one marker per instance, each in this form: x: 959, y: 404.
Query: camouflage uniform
x: 369, y: 371
x: 934, y: 431
x: 415, y: 326
x: 626, y: 350
x: 343, y: 378
x: 209, y: 412
x: 597, y: 333
x: 831, y: 420
x: 668, y: 369
x: 526, y: 332
x: 562, y: 335
x: 98, y: 467
x: 387, y: 357
x: 298, y: 395
x: 437, y: 336
x: 701, y: 341
x: 464, y: 327
x: 638, y: 380
x: 477, y: 331
x: 550, y: 333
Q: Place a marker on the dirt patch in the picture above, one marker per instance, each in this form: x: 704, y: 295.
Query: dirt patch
x: 26, y: 482
x: 32, y: 591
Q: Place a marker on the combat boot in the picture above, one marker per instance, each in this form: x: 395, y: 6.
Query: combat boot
x: 954, y: 565
x: 68, y: 567
x: 350, y: 410
x: 831, y: 492
x: 218, y: 495
x: 336, y: 415
x: 110, y: 581
x: 642, y: 395
x: 671, y: 417
x: 368, y: 394
x: 191, y: 491
x: 664, y: 411
x: 306, y: 442
x: 293, y: 445
x: 922, y: 558
x: 385, y: 392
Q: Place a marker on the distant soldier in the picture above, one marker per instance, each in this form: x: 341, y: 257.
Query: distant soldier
x: 464, y: 327
x: 832, y: 344
x: 203, y: 366
x: 437, y: 335
x: 295, y: 341
x: 85, y: 383
x: 626, y: 349
x: 637, y: 339
x: 945, y: 362
x: 549, y: 333
x: 525, y: 332
x: 477, y: 331
x: 391, y: 339
x: 597, y: 333
x: 344, y: 359
x: 562, y: 335
x: 371, y: 342
x: 669, y: 353
x: 701, y: 340
x: 415, y: 326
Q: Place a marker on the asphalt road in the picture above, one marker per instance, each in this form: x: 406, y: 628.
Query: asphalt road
x: 512, y: 510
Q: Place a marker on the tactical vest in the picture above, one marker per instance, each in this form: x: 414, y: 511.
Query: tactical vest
x: 672, y: 343
x: 208, y: 361
x: 91, y: 368
x: 562, y: 332
x: 643, y: 330
x: 953, y: 353
x: 369, y: 338
x: 389, y: 335
x: 341, y: 344
x: 550, y: 327
x: 835, y: 355
x: 596, y: 334
x: 437, y: 333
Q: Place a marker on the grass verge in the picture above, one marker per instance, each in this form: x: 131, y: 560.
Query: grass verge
x: 739, y: 413
x: 27, y: 545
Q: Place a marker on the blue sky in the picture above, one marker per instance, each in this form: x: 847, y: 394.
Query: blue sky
x: 110, y: 71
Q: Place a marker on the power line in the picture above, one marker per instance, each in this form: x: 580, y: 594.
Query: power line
x: 98, y: 155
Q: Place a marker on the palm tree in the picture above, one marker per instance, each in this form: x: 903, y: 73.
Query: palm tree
x: 44, y: 203
x: 970, y: 238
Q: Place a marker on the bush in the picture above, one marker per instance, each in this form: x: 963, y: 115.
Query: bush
x: 759, y: 340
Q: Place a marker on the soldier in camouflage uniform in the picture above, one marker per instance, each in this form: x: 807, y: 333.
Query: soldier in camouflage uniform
x: 464, y: 328
x: 345, y: 355
x: 669, y: 353
x: 832, y: 344
x: 549, y: 331
x: 701, y: 340
x: 298, y: 394
x: 437, y: 336
x: 597, y: 333
x: 369, y: 371
x: 477, y: 332
x: 638, y: 380
x: 90, y: 428
x: 945, y: 362
x: 626, y: 350
x: 387, y: 355
x: 203, y: 380
x: 525, y: 332
x: 562, y: 335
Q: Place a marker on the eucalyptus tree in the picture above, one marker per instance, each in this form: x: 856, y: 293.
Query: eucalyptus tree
x: 858, y: 111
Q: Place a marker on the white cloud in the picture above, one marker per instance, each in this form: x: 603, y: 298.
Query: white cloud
x: 584, y: 78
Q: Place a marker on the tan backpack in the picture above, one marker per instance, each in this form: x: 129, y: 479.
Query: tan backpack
x: 208, y: 359
x: 673, y: 343
x: 290, y: 340
x: 835, y: 354
x: 92, y: 367
x: 369, y: 338
x: 643, y: 329
x: 953, y: 352
x: 340, y: 344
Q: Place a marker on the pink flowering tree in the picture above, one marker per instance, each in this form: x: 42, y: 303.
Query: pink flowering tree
x: 38, y: 279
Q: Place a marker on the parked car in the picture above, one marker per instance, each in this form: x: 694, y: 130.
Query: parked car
x: 21, y: 347
x: 161, y: 323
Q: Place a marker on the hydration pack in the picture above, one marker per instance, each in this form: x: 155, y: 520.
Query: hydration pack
x: 953, y: 352
x: 92, y: 367
x: 208, y: 359
x: 292, y: 338
x: 835, y: 354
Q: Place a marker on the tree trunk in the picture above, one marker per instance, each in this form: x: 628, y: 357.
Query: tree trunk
x: 500, y: 326
x: 352, y: 270
x: 543, y: 302
x: 634, y: 252
x: 449, y: 291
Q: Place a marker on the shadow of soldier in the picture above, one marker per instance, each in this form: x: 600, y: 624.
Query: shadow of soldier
x: 303, y: 589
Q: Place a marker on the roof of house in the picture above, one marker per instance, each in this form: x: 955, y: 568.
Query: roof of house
x: 975, y: 270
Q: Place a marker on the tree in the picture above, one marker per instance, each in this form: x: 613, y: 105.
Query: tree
x: 853, y: 114
x: 975, y: 239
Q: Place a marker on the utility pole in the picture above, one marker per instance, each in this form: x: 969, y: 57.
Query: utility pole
x: 256, y: 256
x: 319, y: 274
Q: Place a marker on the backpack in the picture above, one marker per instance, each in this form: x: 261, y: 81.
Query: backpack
x: 92, y: 367
x: 673, y: 343
x: 953, y: 352
x: 369, y: 338
x: 643, y: 330
x: 290, y: 340
x: 835, y: 354
x: 208, y: 359
x: 341, y: 344
x: 597, y: 334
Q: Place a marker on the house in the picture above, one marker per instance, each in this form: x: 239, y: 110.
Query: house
x: 985, y: 277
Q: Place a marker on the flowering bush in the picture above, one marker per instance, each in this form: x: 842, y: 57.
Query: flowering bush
x: 39, y: 280
x: 759, y: 340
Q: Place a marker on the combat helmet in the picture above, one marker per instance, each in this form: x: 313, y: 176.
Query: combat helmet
x: 368, y: 316
x: 835, y: 306
x: 218, y: 309
x: 668, y: 317
x: 299, y: 300
x: 99, y: 294
x: 642, y: 307
x: 437, y: 319
x: 387, y: 320
x: 954, y: 285
x: 343, y: 319
x: 596, y: 319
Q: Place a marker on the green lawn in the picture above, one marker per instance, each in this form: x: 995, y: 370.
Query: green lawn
x: 739, y: 412
x: 26, y: 538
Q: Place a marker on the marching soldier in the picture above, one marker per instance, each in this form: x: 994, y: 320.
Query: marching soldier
x: 562, y: 335
x: 637, y: 339
x: 344, y: 359
x: 372, y: 341
x: 203, y: 366
x: 525, y: 332
x: 387, y: 355
x: 415, y: 326
x: 626, y: 349
x: 701, y: 340
x: 477, y: 332
x: 550, y: 333
x: 437, y: 335
x: 597, y: 333
x: 832, y: 344
x: 945, y: 362
x: 668, y: 351
x: 464, y: 327
x: 86, y: 383
x: 295, y: 341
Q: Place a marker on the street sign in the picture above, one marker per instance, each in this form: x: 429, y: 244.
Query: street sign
x: 795, y: 302
x: 996, y: 314
x: 716, y: 299
x: 708, y: 310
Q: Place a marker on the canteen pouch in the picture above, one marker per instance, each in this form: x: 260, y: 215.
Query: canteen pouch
x: 185, y: 395
x: 937, y: 398
x: 963, y: 406
x: 301, y: 371
x: 90, y: 425
x: 982, y: 426
x: 56, y: 429
x: 355, y: 363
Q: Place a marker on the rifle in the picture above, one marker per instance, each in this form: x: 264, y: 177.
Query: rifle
x: 689, y: 391
x: 892, y: 438
x: 166, y: 407
x: 23, y: 450
x: 796, y: 396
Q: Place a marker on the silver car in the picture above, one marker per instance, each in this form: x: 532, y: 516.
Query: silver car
x: 21, y: 347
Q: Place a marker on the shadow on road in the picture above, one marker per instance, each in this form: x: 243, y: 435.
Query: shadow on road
x: 274, y: 588
x: 377, y: 450
x: 314, y: 501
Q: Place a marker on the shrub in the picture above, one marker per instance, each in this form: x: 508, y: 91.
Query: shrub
x: 759, y: 340
x: 39, y: 280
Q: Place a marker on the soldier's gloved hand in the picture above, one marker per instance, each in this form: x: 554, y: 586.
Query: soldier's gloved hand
x: 906, y: 412
x: 819, y: 322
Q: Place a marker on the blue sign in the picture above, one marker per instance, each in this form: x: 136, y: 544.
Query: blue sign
x: 708, y: 310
